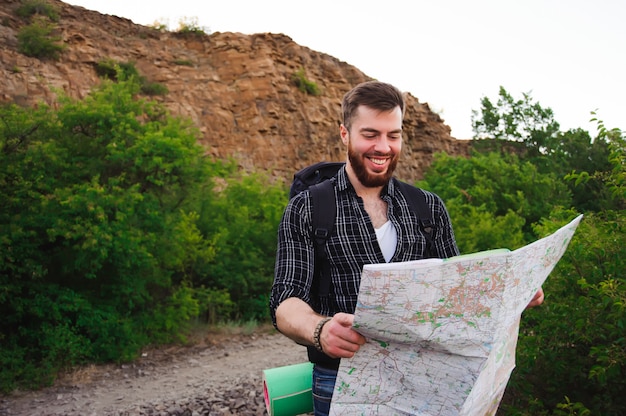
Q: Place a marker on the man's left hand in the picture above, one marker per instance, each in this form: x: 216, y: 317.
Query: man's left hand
x: 537, y: 299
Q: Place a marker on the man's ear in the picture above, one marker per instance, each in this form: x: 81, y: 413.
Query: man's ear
x: 345, y: 134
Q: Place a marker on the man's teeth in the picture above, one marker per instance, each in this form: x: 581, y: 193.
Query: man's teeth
x: 378, y: 161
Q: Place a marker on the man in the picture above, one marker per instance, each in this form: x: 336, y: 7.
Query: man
x: 374, y: 224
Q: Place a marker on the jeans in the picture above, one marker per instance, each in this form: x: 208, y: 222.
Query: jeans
x: 322, y: 388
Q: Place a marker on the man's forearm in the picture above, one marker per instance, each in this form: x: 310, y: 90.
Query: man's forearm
x: 297, y: 320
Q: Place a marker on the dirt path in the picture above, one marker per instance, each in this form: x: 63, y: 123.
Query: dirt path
x: 159, y: 375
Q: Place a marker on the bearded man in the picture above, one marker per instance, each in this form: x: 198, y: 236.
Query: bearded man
x: 374, y: 224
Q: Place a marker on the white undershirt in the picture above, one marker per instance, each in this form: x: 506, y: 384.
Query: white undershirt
x: 387, y: 239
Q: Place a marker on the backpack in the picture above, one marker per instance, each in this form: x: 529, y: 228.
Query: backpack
x: 324, y: 210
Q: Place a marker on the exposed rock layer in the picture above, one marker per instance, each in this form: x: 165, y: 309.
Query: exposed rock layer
x: 238, y: 89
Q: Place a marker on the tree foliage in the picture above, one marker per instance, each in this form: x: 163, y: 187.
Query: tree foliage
x: 30, y: 8
x: 243, y: 221
x: 116, y: 231
x: 521, y: 121
x: 525, y: 128
x: 494, y: 199
x: 572, y: 351
x: 98, y: 230
x: 114, y: 235
x: 39, y: 41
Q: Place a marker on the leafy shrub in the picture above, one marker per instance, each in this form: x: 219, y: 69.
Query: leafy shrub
x: 98, y: 239
x: 493, y: 198
x: 572, y: 351
x: 118, y: 71
x: 190, y: 26
x: 30, y: 8
x: 303, y: 84
x: 36, y: 40
x: 153, y: 88
x: 107, y: 68
x: 159, y: 26
x: 215, y: 304
x: 525, y: 128
x: 243, y: 219
x: 183, y: 62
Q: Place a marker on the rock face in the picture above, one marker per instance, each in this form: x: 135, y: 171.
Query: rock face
x: 238, y: 89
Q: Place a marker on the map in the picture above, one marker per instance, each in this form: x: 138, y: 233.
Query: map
x: 442, y: 333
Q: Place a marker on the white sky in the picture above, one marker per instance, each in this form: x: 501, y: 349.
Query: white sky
x: 570, y: 55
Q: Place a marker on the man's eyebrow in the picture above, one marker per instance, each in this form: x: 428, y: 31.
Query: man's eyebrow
x: 373, y: 130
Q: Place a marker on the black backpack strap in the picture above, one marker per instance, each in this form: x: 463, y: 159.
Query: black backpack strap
x: 323, y: 214
x: 417, y: 200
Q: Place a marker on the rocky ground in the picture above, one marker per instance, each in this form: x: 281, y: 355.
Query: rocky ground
x: 220, y: 375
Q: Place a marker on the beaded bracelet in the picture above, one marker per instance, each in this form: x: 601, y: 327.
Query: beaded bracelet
x: 318, y: 332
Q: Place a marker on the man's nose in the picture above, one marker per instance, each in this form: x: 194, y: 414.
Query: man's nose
x: 382, y: 144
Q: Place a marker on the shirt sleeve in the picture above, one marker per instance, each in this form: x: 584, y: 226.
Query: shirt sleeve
x: 445, y: 242
x: 293, y: 271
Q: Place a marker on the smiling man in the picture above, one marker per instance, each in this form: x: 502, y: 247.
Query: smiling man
x: 374, y: 224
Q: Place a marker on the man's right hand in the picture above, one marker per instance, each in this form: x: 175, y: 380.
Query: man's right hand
x: 338, y: 339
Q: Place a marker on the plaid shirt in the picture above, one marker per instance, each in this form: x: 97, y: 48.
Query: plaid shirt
x: 351, y: 245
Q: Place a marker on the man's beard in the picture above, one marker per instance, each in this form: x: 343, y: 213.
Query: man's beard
x: 368, y: 180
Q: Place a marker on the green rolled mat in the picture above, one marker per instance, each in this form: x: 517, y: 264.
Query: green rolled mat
x: 287, y: 389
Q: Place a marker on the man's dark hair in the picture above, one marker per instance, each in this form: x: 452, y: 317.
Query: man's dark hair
x: 373, y: 94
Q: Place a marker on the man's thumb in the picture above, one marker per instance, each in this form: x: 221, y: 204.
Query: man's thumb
x: 344, y: 319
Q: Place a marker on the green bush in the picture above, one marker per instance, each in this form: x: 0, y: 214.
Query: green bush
x: 571, y: 353
x: 36, y: 40
x: 243, y: 219
x: 494, y: 199
x: 153, y: 88
x: 215, y: 304
x: 116, y: 71
x: 525, y: 128
x: 183, y: 62
x: 159, y: 26
x: 303, y: 84
x: 30, y: 8
x: 99, y: 246
x: 190, y: 26
x: 119, y: 71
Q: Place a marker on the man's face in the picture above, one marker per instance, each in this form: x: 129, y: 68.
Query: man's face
x: 374, y: 143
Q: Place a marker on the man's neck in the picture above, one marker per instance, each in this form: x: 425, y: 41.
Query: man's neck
x: 365, y: 192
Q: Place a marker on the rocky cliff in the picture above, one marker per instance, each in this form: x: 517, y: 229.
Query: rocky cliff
x: 238, y: 89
